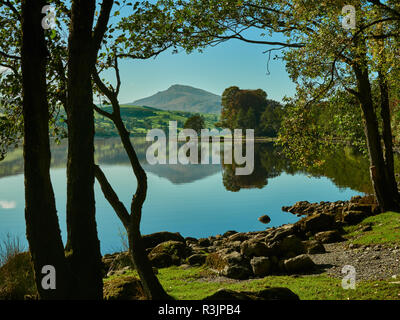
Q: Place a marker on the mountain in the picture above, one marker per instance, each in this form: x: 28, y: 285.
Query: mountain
x: 183, y: 98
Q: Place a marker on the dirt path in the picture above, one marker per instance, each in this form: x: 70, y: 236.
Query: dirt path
x: 372, y: 262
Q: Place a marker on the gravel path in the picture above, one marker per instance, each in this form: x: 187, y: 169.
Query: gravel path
x: 373, y: 262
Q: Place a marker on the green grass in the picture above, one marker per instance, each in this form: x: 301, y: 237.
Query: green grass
x: 385, y: 230
x: 196, y: 283
x: 138, y: 120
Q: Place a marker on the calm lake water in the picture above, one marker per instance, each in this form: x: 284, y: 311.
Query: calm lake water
x: 195, y: 200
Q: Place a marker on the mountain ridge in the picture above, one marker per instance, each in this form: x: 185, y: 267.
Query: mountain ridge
x: 183, y: 98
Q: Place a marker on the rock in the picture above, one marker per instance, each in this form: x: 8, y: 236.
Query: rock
x: 329, y: 236
x: 290, y: 246
x: 123, y: 288
x: 266, y: 294
x: 277, y: 294
x: 161, y: 260
x: 204, y: 242
x: 317, y: 223
x: 313, y: 247
x: 236, y: 272
x: 197, y: 259
x: 190, y: 240
x: 261, y: 266
x: 264, y: 219
x: 169, y: 253
x: 154, y: 239
x: 238, y: 237
x: 282, y: 232
x: 354, y: 217
x: 254, y: 248
x: 301, y: 263
x: 120, y: 261
x: 229, y: 233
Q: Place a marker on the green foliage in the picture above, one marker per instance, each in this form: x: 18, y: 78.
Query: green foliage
x: 195, y: 122
x: 250, y: 109
x: 17, y: 278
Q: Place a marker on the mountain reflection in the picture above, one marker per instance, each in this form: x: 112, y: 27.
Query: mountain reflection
x: 345, y: 168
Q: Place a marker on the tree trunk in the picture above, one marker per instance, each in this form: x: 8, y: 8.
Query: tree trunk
x: 384, y: 190
x: 42, y: 228
x: 83, y: 243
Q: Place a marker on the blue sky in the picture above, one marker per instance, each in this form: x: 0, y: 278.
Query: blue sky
x: 230, y: 63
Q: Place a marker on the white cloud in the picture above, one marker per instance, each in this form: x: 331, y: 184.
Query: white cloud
x: 4, y: 204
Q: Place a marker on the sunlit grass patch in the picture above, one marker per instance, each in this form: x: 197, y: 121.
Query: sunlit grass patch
x: 385, y: 230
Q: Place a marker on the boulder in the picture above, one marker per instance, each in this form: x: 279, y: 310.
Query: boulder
x: 204, y: 242
x: 301, y: 263
x: 161, y: 260
x: 154, y: 239
x: 329, y: 236
x: 313, y: 247
x: 261, y: 266
x: 317, y: 223
x: 264, y: 219
x: 290, y: 246
x: 266, y: 294
x: 235, y: 271
x: 176, y: 250
x: 229, y: 233
x: 240, y: 236
x: 197, y: 259
x: 123, y: 288
x: 354, y: 217
x: 254, y: 248
x: 120, y: 261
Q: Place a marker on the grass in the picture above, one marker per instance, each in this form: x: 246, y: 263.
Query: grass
x: 385, y: 230
x: 195, y: 283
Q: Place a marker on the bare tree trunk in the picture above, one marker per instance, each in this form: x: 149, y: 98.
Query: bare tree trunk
x: 42, y: 228
x: 83, y: 243
x: 131, y: 222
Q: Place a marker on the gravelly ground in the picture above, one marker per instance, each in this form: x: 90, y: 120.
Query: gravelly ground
x: 374, y: 262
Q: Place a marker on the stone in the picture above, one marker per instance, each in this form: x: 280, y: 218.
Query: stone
x: 317, y: 223
x: 204, y: 242
x: 329, y: 236
x: 238, y: 237
x: 313, y: 247
x: 266, y: 294
x: 264, y: 219
x: 261, y: 266
x: 197, y: 259
x: 354, y: 217
x: 176, y: 249
x: 160, y: 260
x: 229, y: 233
x: 301, y: 263
x: 236, y: 272
x: 254, y: 248
x: 154, y: 239
x: 289, y: 246
x: 123, y: 288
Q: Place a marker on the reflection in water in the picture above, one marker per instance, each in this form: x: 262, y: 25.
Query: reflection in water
x: 345, y: 168
x: 195, y: 200
x: 4, y: 204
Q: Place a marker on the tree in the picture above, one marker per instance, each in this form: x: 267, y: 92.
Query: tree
x: 321, y: 57
x: 130, y: 220
x: 42, y: 226
x: 195, y: 122
x: 249, y: 109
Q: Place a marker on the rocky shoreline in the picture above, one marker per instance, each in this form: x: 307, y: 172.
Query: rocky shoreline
x: 314, y: 244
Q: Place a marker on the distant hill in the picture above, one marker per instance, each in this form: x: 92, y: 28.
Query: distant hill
x: 183, y: 98
x: 139, y: 120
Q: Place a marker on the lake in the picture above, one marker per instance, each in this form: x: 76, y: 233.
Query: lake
x: 195, y: 200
